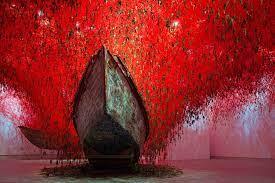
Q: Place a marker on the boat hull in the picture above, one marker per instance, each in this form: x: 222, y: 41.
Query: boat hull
x: 40, y: 139
x: 109, y: 114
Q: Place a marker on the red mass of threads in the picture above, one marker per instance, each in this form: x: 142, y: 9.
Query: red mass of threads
x: 181, y: 54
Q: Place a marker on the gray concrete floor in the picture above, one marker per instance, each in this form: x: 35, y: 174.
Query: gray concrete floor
x: 201, y: 171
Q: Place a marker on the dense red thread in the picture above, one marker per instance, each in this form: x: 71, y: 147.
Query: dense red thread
x: 181, y: 55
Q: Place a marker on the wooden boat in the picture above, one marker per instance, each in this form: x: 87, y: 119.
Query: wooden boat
x: 108, y: 112
x: 66, y: 144
x: 41, y: 139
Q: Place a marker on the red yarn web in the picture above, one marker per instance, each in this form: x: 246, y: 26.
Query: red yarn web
x: 181, y: 55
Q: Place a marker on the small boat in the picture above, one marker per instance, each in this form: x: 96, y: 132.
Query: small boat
x: 40, y: 139
x: 65, y: 143
x: 108, y: 113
